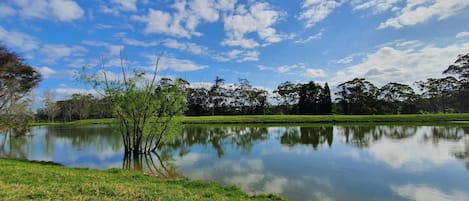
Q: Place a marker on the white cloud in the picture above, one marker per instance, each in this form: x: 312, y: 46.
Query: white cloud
x: 314, y: 73
x: 238, y: 56
x: 299, y: 69
x: 311, y: 38
x: 420, y: 11
x: 427, y: 193
x: 61, y: 10
x: 463, y: 34
x: 53, y: 53
x: 184, y: 21
x: 179, y: 65
x: 6, y: 11
x: 113, y: 50
x: 378, y: 6
x: 314, y: 11
x: 135, y: 42
x: 258, y: 18
x: 187, y: 47
x: 126, y: 5
x: 46, y: 71
x: 345, y: 60
x: 404, y: 64
x: 19, y: 40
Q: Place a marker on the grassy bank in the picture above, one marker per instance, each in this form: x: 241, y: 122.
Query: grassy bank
x: 276, y: 119
x: 21, y: 180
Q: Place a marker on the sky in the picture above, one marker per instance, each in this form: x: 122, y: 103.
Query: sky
x: 267, y: 42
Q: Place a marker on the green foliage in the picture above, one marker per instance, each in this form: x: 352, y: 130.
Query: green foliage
x: 17, y: 79
x: 143, y: 107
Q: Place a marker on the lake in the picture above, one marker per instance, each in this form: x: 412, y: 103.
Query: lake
x: 300, y: 162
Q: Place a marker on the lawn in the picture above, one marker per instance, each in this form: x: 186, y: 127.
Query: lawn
x: 22, y: 180
x: 278, y: 119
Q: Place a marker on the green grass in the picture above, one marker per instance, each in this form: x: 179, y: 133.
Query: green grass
x: 279, y: 119
x: 22, y: 180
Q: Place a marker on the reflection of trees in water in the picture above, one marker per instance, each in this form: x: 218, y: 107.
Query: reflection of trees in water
x: 464, y: 154
x: 243, y: 138
x: 151, y: 163
x: 100, y: 137
x: 313, y: 136
x: 13, y: 146
x: 46, y: 138
x: 363, y: 136
x: 444, y: 133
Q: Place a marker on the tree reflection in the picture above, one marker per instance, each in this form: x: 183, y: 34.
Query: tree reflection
x: 445, y: 133
x: 313, y: 136
x: 243, y: 138
x: 13, y: 146
x: 151, y: 163
x: 464, y: 155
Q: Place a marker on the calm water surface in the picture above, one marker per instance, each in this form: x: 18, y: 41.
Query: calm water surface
x: 300, y: 162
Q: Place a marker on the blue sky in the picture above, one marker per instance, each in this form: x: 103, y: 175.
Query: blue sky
x: 266, y: 42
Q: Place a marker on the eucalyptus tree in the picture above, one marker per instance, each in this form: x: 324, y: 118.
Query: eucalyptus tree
x: 145, y: 108
x: 217, y: 94
x: 310, y: 96
x: 51, y: 107
x: 17, y: 79
x: 440, y: 93
x: 357, y: 96
x: 460, y: 68
x: 397, y: 98
x: 288, y: 96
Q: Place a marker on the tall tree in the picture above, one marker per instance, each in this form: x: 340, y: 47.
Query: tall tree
x: 217, y: 95
x: 397, y: 98
x: 288, y: 96
x: 357, y: 96
x: 51, y: 108
x: 460, y: 68
x: 310, y: 96
x: 17, y: 79
x: 325, y: 101
x: 144, y: 108
x: 440, y: 93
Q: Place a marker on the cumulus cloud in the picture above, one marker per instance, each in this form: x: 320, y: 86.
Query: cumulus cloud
x: 184, y: 21
x: 46, y: 72
x: 238, y: 56
x: 53, y: 53
x: 113, y: 50
x: 61, y: 10
x: 135, y: 42
x: 6, y: 11
x: 463, y: 34
x: 187, y: 47
x: 19, y: 40
x: 428, y: 193
x: 299, y: 69
x: 416, y: 12
x: 257, y: 18
x: 126, y: 5
x: 311, y: 38
x: 378, y: 6
x: 314, y: 11
x: 171, y: 63
x: 314, y: 73
x: 404, y: 64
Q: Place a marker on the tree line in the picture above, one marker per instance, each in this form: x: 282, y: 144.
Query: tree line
x: 356, y: 96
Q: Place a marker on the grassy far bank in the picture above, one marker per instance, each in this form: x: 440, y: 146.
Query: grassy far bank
x: 275, y: 119
x: 22, y: 180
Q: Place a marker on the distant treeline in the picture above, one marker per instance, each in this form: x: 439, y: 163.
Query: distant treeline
x: 356, y: 96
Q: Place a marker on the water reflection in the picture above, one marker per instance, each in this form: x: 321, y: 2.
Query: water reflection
x: 315, y: 162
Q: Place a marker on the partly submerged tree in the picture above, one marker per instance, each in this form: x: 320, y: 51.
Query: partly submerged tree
x: 144, y: 107
x: 17, y: 79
